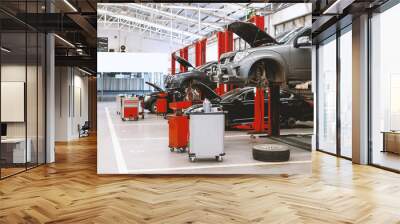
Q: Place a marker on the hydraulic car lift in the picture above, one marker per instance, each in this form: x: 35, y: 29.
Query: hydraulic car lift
x: 273, y: 99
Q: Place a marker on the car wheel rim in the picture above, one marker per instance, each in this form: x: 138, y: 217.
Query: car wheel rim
x: 192, y: 94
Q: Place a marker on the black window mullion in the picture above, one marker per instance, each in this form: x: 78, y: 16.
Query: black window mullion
x: 338, y: 76
x: 26, y: 87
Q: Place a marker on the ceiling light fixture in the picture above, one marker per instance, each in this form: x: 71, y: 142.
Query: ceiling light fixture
x: 70, y: 5
x: 64, y: 40
x: 5, y: 50
x: 84, y: 71
x: 337, y: 7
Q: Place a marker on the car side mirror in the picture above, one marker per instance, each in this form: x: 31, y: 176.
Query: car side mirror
x: 303, y: 41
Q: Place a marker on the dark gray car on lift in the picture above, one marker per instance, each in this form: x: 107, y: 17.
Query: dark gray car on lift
x: 182, y: 82
x: 283, y: 60
x: 179, y: 86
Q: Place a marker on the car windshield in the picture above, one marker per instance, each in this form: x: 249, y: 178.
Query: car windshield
x: 231, y: 94
x: 205, y: 66
x: 287, y: 36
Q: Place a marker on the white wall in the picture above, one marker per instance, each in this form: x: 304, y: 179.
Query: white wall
x: 287, y: 14
x: 133, y: 62
x: 135, y: 42
x: 70, y: 84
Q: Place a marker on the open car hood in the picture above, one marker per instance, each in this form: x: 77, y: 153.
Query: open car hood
x: 183, y: 62
x: 250, y: 33
x: 208, y: 92
x: 155, y: 87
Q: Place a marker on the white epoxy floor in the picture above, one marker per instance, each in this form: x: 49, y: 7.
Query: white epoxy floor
x: 141, y: 147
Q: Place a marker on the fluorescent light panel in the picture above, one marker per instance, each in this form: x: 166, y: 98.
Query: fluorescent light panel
x: 337, y: 7
x: 70, y: 5
x: 64, y: 40
x: 5, y: 50
x: 86, y: 72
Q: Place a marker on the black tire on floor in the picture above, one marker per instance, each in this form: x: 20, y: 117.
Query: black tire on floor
x: 271, y: 153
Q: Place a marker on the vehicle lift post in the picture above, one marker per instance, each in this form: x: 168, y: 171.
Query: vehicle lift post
x: 273, y: 109
x: 273, y: 124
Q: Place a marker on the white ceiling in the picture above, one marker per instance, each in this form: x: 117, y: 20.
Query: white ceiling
x: 177, y: 22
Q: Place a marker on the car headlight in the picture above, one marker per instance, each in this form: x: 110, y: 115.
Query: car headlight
x: 240, y: 55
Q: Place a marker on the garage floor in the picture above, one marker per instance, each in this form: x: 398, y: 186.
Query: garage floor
x: 141, y: 147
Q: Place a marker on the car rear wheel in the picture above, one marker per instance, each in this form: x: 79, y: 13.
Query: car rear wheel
x: 291, y: 122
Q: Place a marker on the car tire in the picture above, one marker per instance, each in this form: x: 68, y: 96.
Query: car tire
x: 258, y: 74
x: 291, y: 122
x: 271, y: 153
x: 153, y: 107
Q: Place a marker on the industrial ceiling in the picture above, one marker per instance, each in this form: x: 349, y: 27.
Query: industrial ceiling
x: 178, y: 22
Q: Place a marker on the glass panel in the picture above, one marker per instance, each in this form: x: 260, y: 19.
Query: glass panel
x: 327, y: 96
x: 13, y: 86
x: 31, y: 98
x: 41, y: 98
x: 385, y: 89
x: 346, y: 94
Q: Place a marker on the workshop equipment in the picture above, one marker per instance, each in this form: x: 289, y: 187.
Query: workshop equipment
x: 206, y: 135
x: 161, y: 103
x: 118, y: 99
x: 178, y: 127
x: 130, y: 108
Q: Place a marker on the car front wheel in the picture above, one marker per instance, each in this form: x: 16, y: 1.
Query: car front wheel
x: 153, y: 107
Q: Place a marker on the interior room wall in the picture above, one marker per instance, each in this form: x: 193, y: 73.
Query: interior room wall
x: 134, y: 41
x: 71, y: 102
x: 14, y: 73
x: 290, y: 13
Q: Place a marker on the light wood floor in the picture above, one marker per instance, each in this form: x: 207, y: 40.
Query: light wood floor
x: 70, y: 191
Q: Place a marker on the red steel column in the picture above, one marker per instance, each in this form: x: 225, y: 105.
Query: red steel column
x: 228, y: 41
x: 259, y: 124
x: 184, y: 54
x: 200, y: 48
x: 198, y: 53
x: 173, y: 63
x: 258, y: 21
x: 203, y: 47
x: 221, y: 43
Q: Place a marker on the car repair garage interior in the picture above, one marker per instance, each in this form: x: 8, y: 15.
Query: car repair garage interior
x: 195, y: 58
x: 117, y: 111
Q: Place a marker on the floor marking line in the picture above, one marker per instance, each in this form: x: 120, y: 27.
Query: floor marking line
x: 163, y: 138
x: 217, y: 166
x: 122, y: 168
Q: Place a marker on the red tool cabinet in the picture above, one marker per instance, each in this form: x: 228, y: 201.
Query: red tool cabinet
x: 130, y: 109
x: 178, y: 132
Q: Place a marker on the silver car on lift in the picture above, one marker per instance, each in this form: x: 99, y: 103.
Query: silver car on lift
x: 284, y: 59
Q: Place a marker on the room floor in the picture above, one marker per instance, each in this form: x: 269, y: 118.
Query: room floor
x: 70, y: 191
x: 386, y: 159
x: 141, y: 147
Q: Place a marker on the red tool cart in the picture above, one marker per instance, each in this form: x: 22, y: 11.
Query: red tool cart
x: 130, y: 108
x: 178, y: 127
x: 161, y: 103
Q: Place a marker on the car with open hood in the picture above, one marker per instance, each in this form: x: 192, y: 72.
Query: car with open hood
x: 180, y: 86
x: 183, y: 81
x: 283, y: 59
x: 239, y: 105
